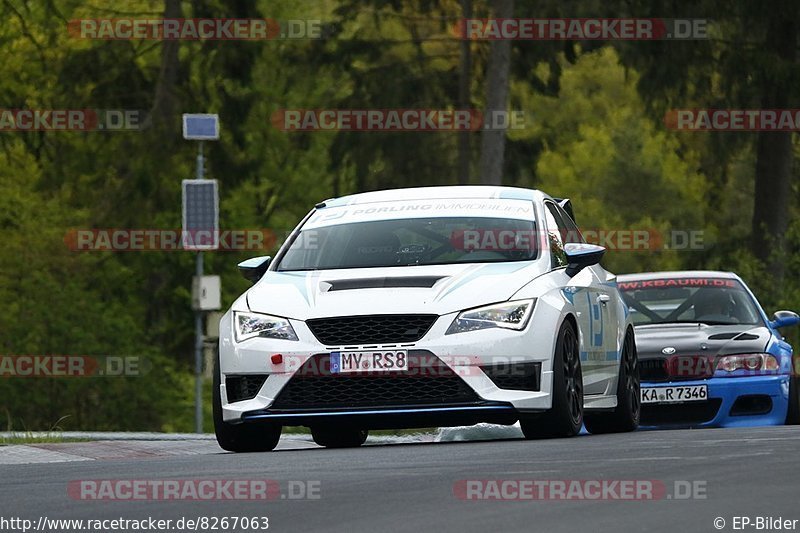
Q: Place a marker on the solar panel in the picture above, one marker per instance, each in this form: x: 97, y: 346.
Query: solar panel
x: 200, y: 215
x: 200, y: 127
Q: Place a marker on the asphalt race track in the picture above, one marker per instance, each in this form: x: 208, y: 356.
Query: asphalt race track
x: 388, y: 486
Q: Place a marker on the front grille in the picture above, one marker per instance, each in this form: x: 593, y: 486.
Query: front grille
x: 680, y: 414
x: 428, y: 381
x: 653, y: 370
x: 515, y: 376
x: 677, y: 368
x: 246, y: 387
x: 370, y: 329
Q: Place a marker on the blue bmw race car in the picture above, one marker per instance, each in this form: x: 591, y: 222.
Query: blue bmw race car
x: 708, y: 354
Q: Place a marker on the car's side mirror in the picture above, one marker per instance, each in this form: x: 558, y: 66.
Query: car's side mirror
x: 252, y: 269
x: 783, y: 319
x: 580, y: 256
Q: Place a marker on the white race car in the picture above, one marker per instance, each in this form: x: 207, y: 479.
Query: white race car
x: 436, y: 306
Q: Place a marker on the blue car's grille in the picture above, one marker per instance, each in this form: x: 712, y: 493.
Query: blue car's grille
x: 680, y: 414
x: 653, y: 370
x: 677, y: 368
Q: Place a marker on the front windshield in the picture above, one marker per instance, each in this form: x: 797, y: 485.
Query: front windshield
x: 693, y: 300
x: 412, y: 241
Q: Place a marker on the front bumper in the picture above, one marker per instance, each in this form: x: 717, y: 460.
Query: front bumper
x: 392, y: 417
x: 463, y: 353
x: 732, y: 402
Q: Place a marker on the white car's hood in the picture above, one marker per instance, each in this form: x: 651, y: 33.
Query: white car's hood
x: 437, y: 289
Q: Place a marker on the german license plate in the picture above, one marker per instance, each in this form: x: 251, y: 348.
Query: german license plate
x: 369, y: 361
x: 692, y: 393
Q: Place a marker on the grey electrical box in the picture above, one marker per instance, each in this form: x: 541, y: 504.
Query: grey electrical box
x: 206, y: 293
x: 212, y: 325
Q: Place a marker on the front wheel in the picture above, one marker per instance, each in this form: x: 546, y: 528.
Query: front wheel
x: 249, y: 437
x: 625, y: 417
x: 565, y: 417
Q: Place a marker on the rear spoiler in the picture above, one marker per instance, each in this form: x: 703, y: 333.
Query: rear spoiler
x: 566, y: 205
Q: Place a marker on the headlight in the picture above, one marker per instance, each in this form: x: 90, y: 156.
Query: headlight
x: 249, y: 325
x: 753, y: 362
x: 507, y: 315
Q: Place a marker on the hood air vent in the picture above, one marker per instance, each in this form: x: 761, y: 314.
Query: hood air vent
x: 381, y: 283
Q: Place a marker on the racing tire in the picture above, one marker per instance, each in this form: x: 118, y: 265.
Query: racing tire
x: 793, y: 413
x: 331, y: 437
x: 625, y: 417
x: 244, y: 437
x: 565, y: 418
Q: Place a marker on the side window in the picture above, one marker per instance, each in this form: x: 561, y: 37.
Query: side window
x: 555, y: 228
x: 573, y: 234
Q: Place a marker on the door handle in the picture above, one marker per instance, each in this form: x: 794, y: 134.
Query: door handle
x: 603, y: 299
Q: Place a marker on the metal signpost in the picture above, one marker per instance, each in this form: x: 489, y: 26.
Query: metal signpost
x: 201, y: 232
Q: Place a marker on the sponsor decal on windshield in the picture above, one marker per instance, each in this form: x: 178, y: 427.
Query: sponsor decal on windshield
x: 677, y: 282
x: 519, y: 209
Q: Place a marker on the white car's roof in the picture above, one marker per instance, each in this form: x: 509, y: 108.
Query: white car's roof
x: 436, y: 193
x: 676, y: 274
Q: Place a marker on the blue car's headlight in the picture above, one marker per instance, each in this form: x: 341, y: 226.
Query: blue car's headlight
x: 249, y: 325
x: 753, y: 363
x: 507, y: 315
